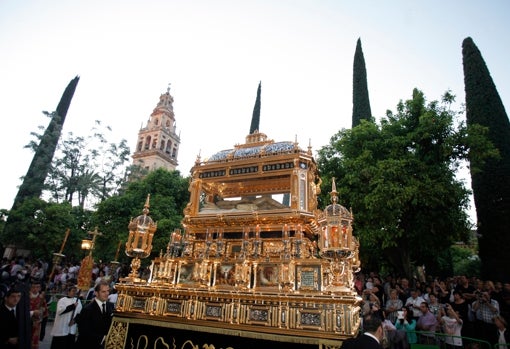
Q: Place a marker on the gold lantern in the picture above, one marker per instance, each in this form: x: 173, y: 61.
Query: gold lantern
x: 139, y: 243
x: 337, y: 244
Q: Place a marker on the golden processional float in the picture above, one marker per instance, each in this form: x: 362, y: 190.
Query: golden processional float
x: 256, y: 262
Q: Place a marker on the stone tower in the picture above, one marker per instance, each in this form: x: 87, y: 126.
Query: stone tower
x: 158, y: 143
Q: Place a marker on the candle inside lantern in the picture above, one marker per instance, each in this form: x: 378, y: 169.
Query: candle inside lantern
x: 285, y: 231
x: 299, y: 233
x: 178, y: 237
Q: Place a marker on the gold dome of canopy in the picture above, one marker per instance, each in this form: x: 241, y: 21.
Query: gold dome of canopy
x: 256, y: 145
x: 143, y: 221
x: 335, y: 209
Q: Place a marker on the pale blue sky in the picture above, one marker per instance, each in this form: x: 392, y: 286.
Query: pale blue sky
x: 215, y: 52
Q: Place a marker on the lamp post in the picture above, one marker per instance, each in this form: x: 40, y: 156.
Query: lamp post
x: 87, y: 263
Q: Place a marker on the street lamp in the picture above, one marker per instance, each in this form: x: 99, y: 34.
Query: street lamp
x: 87, y: 263
x: 86, y: 244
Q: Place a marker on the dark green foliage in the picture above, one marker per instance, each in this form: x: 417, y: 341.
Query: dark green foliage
x: 360, y: 101
x: 491, y: 183
x: 465, y: 261
x: 399, y: 177
x: 33, y: 183
x: 40, y: 227
x: 169, y: 196
x: 255, y: 120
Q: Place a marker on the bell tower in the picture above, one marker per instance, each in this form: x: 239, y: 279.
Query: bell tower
x: 158, y: 143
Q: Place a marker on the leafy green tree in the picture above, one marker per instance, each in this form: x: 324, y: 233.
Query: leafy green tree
x: 88, y: 168
x: 255, y: 120
x: 360, y: 100
x: 491, y: 185
x: 40, y: 226
x: 111, y: 161
x: 399, y: 177
x: 169, y: 196
x: 465, y: 261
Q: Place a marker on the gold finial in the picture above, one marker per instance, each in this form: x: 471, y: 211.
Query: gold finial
x: 147, y: 205
x: 168, y: 88
x: 198, y: 159
x: 334, y: 193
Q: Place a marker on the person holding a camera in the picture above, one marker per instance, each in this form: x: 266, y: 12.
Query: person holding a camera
x: 405, y: 323
x: 485, y: 309
x: 451, y: 324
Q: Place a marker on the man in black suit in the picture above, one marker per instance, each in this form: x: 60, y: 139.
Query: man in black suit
x: 371, y: 338
x: 9, y: 332
x: 95, y: 319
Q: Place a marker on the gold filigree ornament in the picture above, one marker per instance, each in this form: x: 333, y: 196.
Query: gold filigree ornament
x: 117, y: 335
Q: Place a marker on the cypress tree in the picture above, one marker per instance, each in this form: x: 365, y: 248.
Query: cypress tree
x: 33, y: 183
x: 491, y: 185
x: 360, y: 101
x: 255, y: 119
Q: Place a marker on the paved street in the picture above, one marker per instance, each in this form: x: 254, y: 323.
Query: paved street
x: 46, y: 343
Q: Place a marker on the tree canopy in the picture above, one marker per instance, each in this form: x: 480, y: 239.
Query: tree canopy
x: 169, y: 195
x: 40, y: 226
x: 88, y: 168
x: 399, y: 177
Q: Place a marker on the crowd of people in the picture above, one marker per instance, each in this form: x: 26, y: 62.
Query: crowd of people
x: 458, y: 312
x: 29, y: 289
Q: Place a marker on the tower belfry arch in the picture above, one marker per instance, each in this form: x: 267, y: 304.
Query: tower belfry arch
x: 158, y: 142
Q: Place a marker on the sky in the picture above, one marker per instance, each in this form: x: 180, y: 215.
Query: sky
x: 214, y: 53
